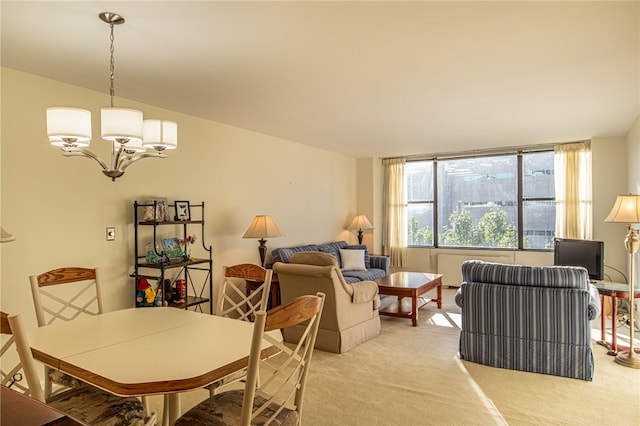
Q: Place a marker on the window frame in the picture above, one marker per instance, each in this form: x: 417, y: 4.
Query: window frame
x: 521, y: 199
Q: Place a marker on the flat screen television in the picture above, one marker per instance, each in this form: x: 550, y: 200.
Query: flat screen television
x: 586, y: 253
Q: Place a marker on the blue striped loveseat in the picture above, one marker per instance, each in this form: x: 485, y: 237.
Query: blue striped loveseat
x: 375, y: 266
x: 528, y: 318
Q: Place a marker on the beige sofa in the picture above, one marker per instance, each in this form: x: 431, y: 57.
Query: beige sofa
x: 350, y: 314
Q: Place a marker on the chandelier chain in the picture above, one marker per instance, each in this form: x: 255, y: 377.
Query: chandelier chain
x: 112, y: 66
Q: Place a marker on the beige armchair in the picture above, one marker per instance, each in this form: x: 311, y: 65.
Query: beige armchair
x: 350, y: 314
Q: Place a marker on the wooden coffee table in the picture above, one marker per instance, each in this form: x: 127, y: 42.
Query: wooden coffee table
x: 409, y: 284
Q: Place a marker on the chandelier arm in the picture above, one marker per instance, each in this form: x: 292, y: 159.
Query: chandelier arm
x: 77, y: 152
x: 116, y: 156
x: 130, y: 159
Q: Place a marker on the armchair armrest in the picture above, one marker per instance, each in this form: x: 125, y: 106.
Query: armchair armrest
x: 458, y: 297
x: 380, y: 262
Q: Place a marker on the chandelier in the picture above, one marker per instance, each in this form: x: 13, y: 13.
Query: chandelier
x: 130, y: 135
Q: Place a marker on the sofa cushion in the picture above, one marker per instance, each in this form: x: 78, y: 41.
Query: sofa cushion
x: 368, y: 275
x: 367, y: 257
x: 352, y: 260
x: 333, y: 249
x: 283, y: 254
x: 314, y: 258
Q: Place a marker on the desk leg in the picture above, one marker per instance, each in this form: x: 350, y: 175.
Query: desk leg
x: 603, y: 333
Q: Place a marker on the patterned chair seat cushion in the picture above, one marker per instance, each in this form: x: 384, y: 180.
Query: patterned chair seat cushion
x: 97, y: 407
x: 60, y: 378
x: 225, y: 410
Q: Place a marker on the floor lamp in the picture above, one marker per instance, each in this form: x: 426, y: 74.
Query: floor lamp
x: 627, y: 210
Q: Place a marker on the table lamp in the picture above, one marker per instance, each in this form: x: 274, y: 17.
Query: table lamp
x: 360, y: 222
x: 627, y: 210
x: 5, y: 236
x: 262, y: 227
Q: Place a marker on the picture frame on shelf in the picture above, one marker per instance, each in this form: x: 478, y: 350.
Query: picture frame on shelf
x: 183, y: 211
x: 171, y: 248
x: 161, y: 209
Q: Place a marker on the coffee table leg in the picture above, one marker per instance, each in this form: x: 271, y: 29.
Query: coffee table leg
x: 439, y: 301
x: 414, y: 308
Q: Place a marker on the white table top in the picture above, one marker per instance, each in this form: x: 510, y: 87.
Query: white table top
x: 146, y: 351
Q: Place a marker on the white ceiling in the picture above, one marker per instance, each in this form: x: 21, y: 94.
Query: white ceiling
x: 360, y: 78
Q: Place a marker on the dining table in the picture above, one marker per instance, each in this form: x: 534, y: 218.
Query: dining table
x: 148, y: 351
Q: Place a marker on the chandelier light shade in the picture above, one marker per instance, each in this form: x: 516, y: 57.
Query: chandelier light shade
x: 130, y: 135
x: 69, y: 127
x: 160, y: 134
x: 121, y: 125
x: 359, y: 223
x: 626, y: 210
x: 262, y: 227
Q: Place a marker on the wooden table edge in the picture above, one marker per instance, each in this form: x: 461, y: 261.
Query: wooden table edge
x: 150, y: 388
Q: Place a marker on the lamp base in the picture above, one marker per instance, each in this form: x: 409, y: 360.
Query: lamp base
x: 628, y: 359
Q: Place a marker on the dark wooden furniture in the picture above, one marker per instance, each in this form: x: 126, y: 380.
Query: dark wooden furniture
x: 613, y: 290
x: 274, y: 297
x: 409, y: 285
x: 19, y: 409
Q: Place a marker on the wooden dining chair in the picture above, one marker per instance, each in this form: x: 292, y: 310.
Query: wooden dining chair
x: 279, y: 397
x: 64, y: 294
x: 236, y: 300
x: 81, y: 294
x: 88, y: 404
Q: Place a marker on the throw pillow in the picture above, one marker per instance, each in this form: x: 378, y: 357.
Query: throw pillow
x: 352, y: 260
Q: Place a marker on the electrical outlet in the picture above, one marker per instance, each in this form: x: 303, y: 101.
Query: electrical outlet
x: 111, y: 233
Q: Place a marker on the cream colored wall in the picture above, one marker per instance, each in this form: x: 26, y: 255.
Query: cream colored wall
x: 59, y: 207
x: 633, y: 159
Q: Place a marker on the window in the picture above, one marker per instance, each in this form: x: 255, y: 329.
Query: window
x: 493, y: 201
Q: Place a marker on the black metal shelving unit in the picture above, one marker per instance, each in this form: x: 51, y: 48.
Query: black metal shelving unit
x: 197, y: 271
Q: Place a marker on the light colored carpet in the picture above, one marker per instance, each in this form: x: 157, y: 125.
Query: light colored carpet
x: 413, y: 376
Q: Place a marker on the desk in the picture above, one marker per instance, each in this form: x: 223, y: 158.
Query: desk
x: 147, y: 351
x: 613, y: 290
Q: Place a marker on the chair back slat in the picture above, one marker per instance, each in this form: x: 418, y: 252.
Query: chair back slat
x: 234, y: 299
x: 66, y: 303
x: 66, y: 275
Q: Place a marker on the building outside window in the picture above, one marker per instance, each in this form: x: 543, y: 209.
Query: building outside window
x: 494, y: 201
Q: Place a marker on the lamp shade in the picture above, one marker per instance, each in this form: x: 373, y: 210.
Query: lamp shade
x: 69, y: 126
x: 121, y: 123
x: 5, y: 236
x: 263, y: 226
x: 625, y: 210
x: 160, y: 134
x: 360, y: 222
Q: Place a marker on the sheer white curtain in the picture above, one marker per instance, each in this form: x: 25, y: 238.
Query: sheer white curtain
x: 573, y: 190
x: 395, y: 228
